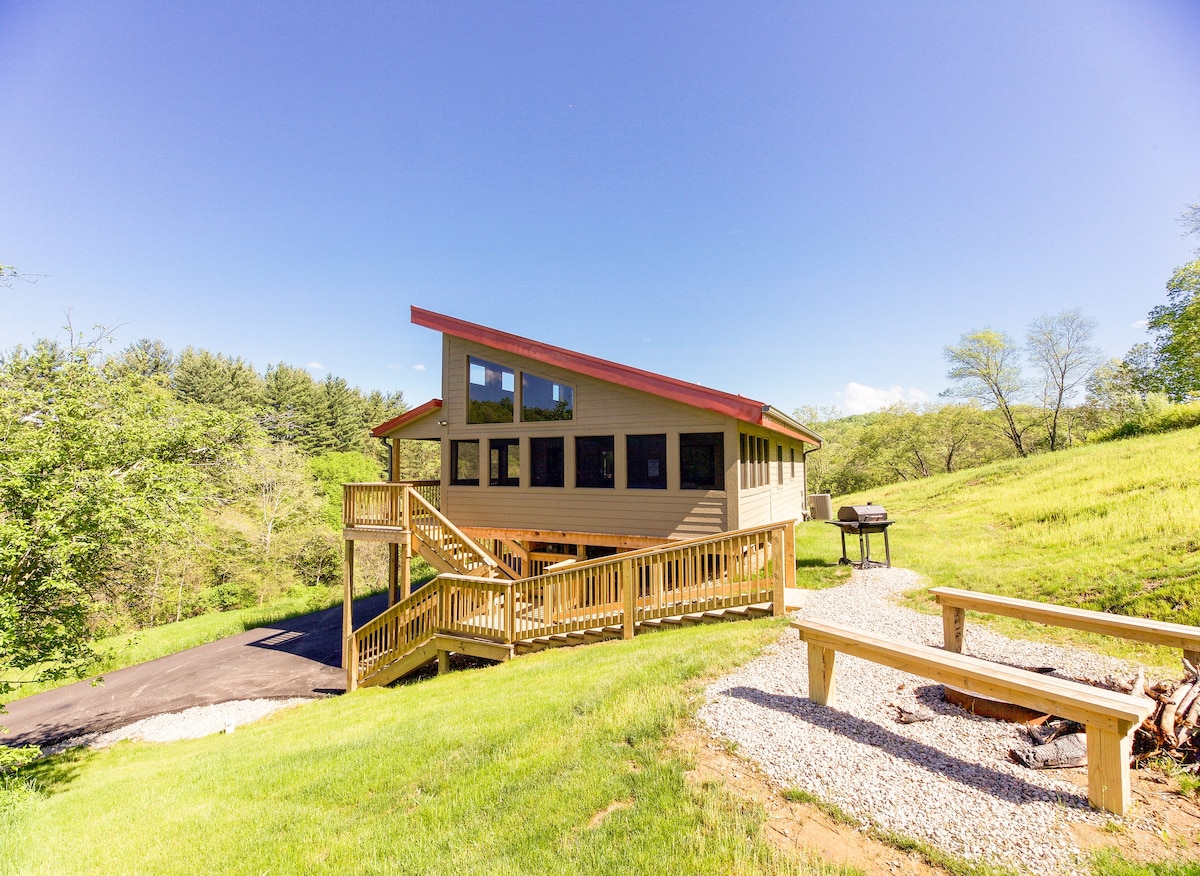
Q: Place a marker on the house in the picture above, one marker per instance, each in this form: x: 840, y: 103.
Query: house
x: 551, y: 457
x: 549, y: 449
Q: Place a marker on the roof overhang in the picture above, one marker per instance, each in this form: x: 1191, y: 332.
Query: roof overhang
x: 385, y: 429
x: 736, y: 406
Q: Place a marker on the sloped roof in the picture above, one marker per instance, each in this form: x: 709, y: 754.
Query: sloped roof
x: 736, y: 406
x: 434, y: 404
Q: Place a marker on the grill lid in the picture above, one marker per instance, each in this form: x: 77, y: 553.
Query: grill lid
x: 862, y: 513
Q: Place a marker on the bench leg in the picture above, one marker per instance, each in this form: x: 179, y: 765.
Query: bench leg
x: 821, y: 687
x: 954, y: 620
x: 1192, y: 657
x: 1108, y: 754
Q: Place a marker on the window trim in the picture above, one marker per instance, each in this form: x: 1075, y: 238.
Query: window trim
x: 455, y: 480
x: 659, y: 483
x: 612, y: 476
x: 503, y: 448
x: 717, y: 444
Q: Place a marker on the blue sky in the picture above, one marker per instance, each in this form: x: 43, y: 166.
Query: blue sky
x: 785, y: 200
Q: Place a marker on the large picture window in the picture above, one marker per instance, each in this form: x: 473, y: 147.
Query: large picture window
x: 702, y: 461
x: 490, y: 392
x: 504, y: 462
x: 646, y: 456
x: 595, y: 461
x: 464, y: 463
x: 546, y: 462
x: 543, y: 399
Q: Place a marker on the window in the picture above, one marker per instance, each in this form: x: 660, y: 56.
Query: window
x: 702, y: 461
x: 464, y: 463
x: 744, y: 460
x: 504, y: 462
x: 594, y: 461
x: 546, y: 462
x: 646, y: 457
x: 543, y: 399
x: 779, y: 461
x: 490, y: 392
x: 793, y: 450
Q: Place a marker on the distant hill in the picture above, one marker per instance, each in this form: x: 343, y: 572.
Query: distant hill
x: 1112, y: 527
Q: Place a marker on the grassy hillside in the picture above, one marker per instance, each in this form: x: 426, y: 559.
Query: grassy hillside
x: 554, y: 763
x: 1112, y: 527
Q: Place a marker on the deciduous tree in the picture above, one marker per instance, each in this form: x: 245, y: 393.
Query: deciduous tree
x: 985, y: 364
x: 1060, y: 348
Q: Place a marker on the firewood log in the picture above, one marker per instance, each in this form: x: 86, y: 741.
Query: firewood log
x: 1167, y: 719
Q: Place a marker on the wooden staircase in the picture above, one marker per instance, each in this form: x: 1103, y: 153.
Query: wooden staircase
x: 490, y: 613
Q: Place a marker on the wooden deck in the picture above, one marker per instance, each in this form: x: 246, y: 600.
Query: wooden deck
x: 703, y: 580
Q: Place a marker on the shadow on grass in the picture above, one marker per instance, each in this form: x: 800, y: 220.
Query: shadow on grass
x: 53, y: 774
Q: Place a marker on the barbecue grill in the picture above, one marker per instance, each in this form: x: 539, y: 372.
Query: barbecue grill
x: 863, y: 521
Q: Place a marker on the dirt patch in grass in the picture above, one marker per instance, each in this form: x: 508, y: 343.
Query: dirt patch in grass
x: 1163, y: 826
x: 796, y: 827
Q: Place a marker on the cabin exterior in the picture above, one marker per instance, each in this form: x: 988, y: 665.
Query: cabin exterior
x: 558, y: 451
x: 578, y: 500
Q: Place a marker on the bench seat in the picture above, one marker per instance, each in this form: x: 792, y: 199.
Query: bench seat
x: 955, y: 603
x: 1108, y: 716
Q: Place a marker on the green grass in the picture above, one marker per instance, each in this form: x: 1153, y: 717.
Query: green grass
x: 1110, y: 527
x: 495, y: 771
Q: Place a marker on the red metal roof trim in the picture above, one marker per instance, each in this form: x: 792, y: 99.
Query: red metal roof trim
x: 692, y: 394
x: 391, y: 425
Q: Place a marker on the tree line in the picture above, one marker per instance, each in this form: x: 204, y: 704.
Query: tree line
x: 142, y: 487
x: 1012, y: 399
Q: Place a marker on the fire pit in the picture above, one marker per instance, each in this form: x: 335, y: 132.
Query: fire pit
x: 864, y: 521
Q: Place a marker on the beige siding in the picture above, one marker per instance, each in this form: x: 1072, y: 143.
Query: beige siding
x: 601, y: 408
x: 776, y: 499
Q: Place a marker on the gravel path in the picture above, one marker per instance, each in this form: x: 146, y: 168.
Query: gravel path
x: 948, y: 781
x: 189, y: 724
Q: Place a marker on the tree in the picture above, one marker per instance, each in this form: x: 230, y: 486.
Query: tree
x: 97, y: 469
x: 224, y: 382
x: 1059, y: 348
x: 1175, y: 325
x: 148, y: 358
x: 985, y: 364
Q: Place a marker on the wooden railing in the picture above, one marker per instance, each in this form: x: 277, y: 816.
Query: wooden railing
x: 747, y: 567
x: 381, y: 504
x: 447, y: 541
x: 406, y: 506
x: 455, y: 604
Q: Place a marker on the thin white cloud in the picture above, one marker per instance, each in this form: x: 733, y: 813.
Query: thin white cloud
x: 859, y: 398
x: 315, y: 366
x: 419, y: 367
x: 1141, y: 323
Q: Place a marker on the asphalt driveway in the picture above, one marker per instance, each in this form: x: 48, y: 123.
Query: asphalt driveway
x: 295, y: 658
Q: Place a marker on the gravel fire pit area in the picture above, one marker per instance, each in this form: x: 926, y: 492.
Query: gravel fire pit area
x: 946, y: 778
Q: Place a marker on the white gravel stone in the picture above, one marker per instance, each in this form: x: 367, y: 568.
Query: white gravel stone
x: 189, y: 724
x: 948, y: 781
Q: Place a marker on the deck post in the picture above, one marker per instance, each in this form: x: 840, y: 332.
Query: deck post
x: 405, y: 559
x: 510, y: 613
x: 1108, y: 754
x: 779, y: 567
x: 954, y: 620
x: 821, y: 686
x: 630, y: 598
x: 352, y: 664
x: 393, y: 573
x: 348, y: 603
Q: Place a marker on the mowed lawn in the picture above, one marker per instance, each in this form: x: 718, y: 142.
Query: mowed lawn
x: 508, y: 769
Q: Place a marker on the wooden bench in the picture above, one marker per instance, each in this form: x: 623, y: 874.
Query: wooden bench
x: 1110, y: 718
x: 955, y: 604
